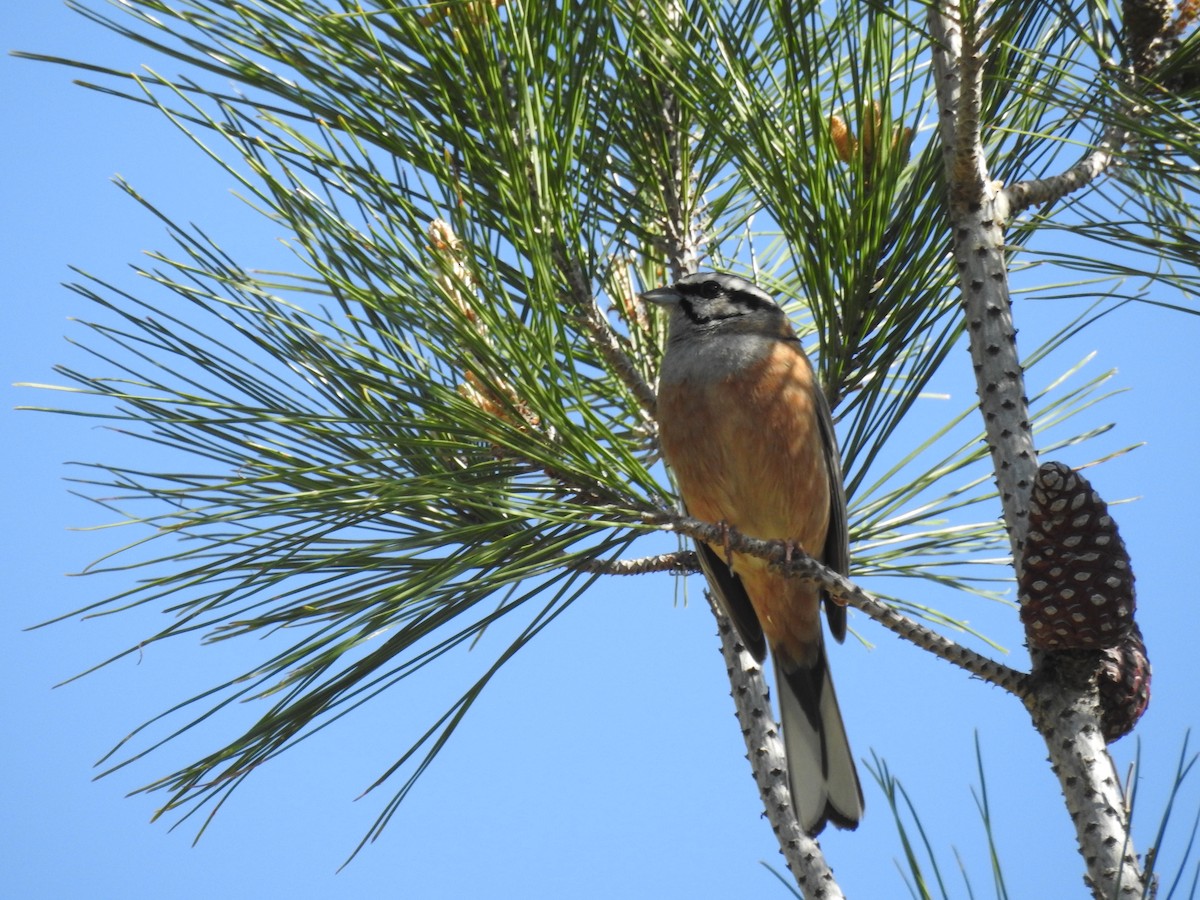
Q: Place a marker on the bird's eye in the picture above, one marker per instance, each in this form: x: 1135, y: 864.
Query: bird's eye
x: 710, y: 290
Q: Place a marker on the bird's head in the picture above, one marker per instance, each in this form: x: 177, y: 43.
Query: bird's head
x: 716, y: 302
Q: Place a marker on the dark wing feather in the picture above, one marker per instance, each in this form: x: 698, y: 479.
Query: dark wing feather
x: 734, y: 602
x: 837, y: 539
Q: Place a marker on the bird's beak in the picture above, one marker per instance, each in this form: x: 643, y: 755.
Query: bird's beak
x: 663, y: 296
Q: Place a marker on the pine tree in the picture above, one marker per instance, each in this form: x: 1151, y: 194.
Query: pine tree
x: 441, y: 422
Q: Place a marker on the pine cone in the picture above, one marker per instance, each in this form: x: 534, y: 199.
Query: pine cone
x: 1124, y: 683
x: 1076, y: 587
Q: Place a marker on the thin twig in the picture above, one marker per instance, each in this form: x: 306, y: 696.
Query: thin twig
x: 682, y: 244
x: 604, y: 338
x: 682, y: 254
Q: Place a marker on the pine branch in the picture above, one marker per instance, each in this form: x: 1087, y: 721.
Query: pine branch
x: 1065, y: 708
x: 764, y: 749
x: 681, y: 242
x: 1149, y: 38
x: 1044, y: 191
x: 977, y: 222
x: 607, y: 342
x: 683, y: 250
x: 792, y: 562
x: 681, y: 562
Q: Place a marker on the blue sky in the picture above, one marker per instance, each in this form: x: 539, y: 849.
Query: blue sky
x: 604, y: 761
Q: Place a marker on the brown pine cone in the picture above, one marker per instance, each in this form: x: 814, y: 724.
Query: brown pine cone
x: 1124, y: 683
x: 1076, y: 588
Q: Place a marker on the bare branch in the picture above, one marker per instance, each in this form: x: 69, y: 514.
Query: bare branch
x: 794, y: 563
x: 946, y: 30
x: 1065, y: 709
x: 969, y: 173
x: 1064, y: 704
x: 1043, y: 191
x: 680, y: 562
x: 978, y: 214
x: 764, y: 749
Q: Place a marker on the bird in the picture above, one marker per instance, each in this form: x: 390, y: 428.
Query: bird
x: 746, y: 430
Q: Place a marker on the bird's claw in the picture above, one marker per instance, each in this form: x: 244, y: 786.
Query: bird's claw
x: 725, y: 542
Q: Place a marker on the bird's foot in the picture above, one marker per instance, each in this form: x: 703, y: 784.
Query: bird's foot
x: 725, y: 542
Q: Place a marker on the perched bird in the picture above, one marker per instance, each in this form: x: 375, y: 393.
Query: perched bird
x: 747, y: 432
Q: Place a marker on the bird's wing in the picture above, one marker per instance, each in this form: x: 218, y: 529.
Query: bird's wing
x: 734, y: 602
x: 837, y: 538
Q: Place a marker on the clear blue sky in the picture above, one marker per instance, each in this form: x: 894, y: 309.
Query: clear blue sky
x: 605, y: 760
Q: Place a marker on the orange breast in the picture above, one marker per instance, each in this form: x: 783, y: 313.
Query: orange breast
x: 754, y: 459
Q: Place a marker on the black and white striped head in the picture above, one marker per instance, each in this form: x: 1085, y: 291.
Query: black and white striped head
x: 717, y: 301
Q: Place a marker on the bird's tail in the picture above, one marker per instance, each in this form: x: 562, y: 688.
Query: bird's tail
x: 821, y: 771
